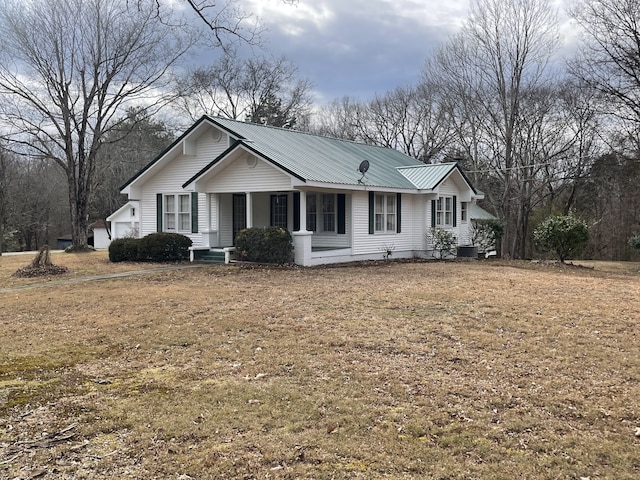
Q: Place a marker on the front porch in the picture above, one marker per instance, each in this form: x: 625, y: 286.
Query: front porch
x: 226, y: 255
x: 320, y: 222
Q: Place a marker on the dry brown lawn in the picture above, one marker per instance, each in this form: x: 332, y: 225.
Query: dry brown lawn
x: 458, y: 370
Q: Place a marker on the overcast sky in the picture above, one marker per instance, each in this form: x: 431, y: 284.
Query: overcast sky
x: 361, y: 47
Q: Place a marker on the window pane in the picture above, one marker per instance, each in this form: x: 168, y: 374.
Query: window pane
x: 312, y: 213
x: 328, y: 213
x: 391, y: 204
x: 439, y: 218
x: 391, y: 222
x: 169, y: 204
x: 184, y: 203
x: 379, y: 222
x: 379, y: 204
x: 448, y: 204
x: 185, y: 222
x: 328, y: 203
x: 169, y: 221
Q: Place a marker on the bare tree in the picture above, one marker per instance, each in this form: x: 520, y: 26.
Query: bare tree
x: 6, y: 162
x: 341, y: 118
x: 224, y: 17
x: 126, y: 149
x: 409, y: 119
x: 494, y: 71
x: 68, y: 69
x: 609, y: 58
x: 259, y: 90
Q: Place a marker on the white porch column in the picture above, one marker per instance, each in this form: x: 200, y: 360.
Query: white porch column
x: 210, y: 233
x: 303, y: 211
x: 249, y: 210
x: 302, y: 238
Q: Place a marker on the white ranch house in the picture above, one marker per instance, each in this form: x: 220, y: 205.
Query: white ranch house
x: 222, y: 176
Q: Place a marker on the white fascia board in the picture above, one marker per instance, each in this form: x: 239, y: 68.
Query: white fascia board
x: 348, y: 187
x: 130, y: 203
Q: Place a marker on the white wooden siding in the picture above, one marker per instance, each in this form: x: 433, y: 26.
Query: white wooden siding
x: 365, y: 243
x: 449, y: 188
x: 239, y: 177
x: 335, y: 240
x: 261, y: 209
x: 170, y: 179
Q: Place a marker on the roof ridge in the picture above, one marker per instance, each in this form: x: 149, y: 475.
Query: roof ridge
x: 428, y: 165
x: 300, y: 132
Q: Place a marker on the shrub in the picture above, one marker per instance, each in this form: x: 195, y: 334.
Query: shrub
x: 485, y: 233
x: 443, y: 242
x: 123, y: 250
x: 565, y: 235
x: 164, y: 247
x: 634, y: 241
x: 265, y: 245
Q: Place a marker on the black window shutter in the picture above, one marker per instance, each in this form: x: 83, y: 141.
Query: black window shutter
x: 194, y: 212
x: 371, y: 213
x: 399, y: 213
x: 159, y: 212
x: 342, y: 223
x: 455, y: 211
x: 433, y: 214
x: 296, y: 211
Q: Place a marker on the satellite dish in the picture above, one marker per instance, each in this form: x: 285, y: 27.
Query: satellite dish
x: 364, y: 166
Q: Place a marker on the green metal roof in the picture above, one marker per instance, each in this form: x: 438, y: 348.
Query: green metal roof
x: 479, y: 213
x: 427, y: 177
x: 315, y: 158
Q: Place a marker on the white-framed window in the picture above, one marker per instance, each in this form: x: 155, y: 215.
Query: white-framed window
x: 279, y: 210
x: 464, y: 211
x: 321, y: 212
x: 385, y: 213
x: 444, y: 212
x: 177, y: 213
x: 312, y: 213
x: 328, y: 212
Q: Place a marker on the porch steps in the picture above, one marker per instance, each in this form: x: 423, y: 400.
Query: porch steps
x: 209, y: 256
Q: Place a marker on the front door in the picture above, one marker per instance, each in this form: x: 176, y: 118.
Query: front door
x: 239, y: 213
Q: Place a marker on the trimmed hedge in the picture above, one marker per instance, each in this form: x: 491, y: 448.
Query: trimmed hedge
x: 164, y: 247
x: 264, y: 245
x: 124, y: 250
x: 155, y: 247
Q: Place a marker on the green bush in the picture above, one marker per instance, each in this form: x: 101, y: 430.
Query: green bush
x: 443, y: 242
x: 565, y: 235
x: 634, y: 241
x: 264, y: 245
x: 486, y: 233
x: 124, y: 249
x: 164, y: 247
